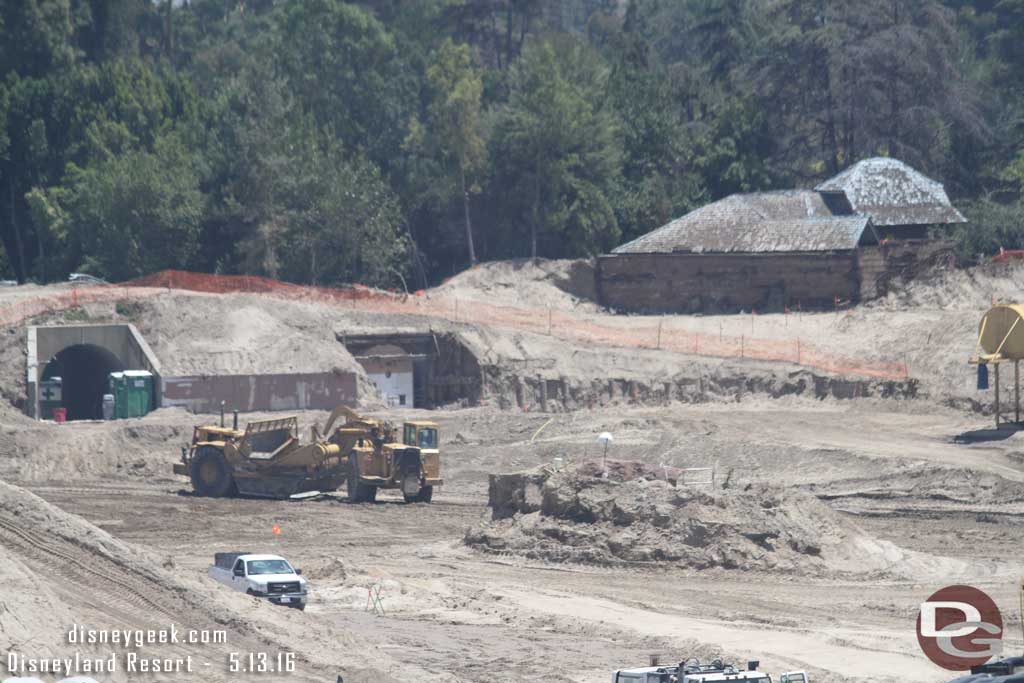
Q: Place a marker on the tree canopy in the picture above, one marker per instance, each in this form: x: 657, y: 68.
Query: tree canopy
x: 328, y: 141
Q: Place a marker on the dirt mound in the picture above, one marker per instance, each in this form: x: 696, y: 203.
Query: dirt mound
x: 558, y: 284
x: 241, y: 334
x: 71, y: 571
x: 638, y: 515
x: 957, y: 289
x: 51, y: 552
x: 140, y: 449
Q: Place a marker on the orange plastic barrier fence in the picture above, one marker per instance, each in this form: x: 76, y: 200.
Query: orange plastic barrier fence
x: 31, y: 307
x: 559, y: 324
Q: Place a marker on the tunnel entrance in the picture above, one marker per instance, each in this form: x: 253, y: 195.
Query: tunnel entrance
x: 435, y: 367
x: 84, y: 370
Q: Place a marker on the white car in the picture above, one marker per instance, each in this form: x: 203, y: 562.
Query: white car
x: 265, y: 576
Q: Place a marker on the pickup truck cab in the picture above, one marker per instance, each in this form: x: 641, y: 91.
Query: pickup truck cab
x: 264, y: 576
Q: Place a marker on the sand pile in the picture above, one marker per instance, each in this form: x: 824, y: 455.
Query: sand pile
x: 559, y: 284
x: 639, y: 515
x: 957, y: 289
x: 241, y: 334
x: 48, y: 552
x: 139, y: 449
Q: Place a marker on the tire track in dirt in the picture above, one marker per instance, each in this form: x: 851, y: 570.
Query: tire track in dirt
x: 80, y: 562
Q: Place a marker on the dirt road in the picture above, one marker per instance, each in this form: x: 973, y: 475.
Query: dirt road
x: 455, y: 614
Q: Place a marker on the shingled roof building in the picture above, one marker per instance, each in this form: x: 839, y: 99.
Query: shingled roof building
x: 841, y: 241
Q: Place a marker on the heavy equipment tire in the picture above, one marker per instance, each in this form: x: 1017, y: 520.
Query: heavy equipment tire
x: 358, y: 493
x: 425, y: 495
x: 210, y: 473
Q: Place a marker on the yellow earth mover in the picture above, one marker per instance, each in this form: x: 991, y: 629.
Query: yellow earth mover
x: 267, y: 458
x: 376, y: 460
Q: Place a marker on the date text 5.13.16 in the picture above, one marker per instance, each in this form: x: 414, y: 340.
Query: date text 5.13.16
x: 261, y: 662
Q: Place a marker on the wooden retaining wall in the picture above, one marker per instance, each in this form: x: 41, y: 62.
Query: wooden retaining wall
x: 710, y: 283
x: 691, y: 283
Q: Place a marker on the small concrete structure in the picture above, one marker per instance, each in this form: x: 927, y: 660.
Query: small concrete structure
x: 84, y: 356
x: 390, y: 368
x: 443, y: 368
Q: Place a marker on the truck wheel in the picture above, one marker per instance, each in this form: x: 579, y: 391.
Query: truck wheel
x: 425, y: 495
x: 210, y: 473
x: 357, y: 492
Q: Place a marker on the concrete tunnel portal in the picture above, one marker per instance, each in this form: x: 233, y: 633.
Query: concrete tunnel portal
x: 83, y: 356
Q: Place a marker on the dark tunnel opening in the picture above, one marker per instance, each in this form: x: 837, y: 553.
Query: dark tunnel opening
x: 84, y: 370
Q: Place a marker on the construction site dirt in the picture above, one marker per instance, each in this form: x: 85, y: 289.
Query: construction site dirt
x: 96, y: 531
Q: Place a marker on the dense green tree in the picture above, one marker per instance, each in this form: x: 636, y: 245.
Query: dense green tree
x: 499, y: 28
x: 288, y: 200
x: 81, y: 114
x: 660, y: 178
x: 993, y: 225
x: 128, y: 215
x: 850, y: 80
x: 38, y: 36
x: 342, y: 222
x: 558, y: 149
x: 332, y: 140
x: 343, y: 65
x: 735, y: 151
x: 454, y: 130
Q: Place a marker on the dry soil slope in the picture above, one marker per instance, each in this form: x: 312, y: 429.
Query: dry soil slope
x: 70, y: 571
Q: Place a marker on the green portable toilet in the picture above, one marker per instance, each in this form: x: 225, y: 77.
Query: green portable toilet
x: 117, y: 389
x: 138, y: 392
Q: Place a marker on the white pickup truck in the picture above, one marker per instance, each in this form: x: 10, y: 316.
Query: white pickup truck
x: 265, y: 576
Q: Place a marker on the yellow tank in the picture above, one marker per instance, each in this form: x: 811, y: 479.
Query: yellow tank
x: 1002, y: 330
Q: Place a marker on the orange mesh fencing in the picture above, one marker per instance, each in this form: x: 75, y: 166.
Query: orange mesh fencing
x: 577, y: 328
x: 30, y: 307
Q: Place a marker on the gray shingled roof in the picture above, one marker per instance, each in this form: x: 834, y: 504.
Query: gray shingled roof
x: 791, y: 220
x: 893, y: 193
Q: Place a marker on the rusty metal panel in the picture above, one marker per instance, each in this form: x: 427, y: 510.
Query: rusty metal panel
x: 310, y: 391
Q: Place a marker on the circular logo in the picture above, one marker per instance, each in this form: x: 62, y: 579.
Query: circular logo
x: 959, y: 627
